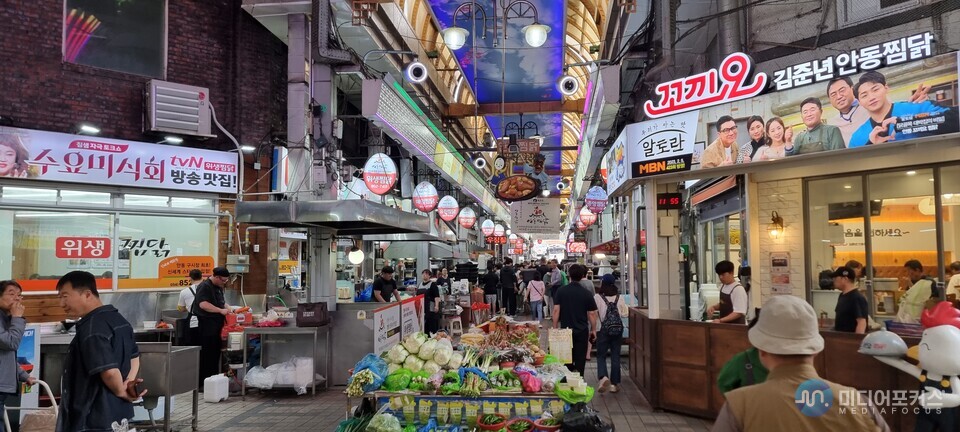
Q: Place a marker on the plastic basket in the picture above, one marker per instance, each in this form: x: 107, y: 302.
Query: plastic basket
x: 38, y: 419
x: 905, y: 329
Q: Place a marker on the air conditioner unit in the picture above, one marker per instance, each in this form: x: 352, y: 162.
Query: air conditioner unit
x: 178, y: 108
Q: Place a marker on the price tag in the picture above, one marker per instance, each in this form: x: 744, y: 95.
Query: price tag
x: 455, y: 411
x: 489, y: 407
x: 556, y: 408
x: 426, y: 406
x: 472, y: 409
x: 536, y: 407
x: 504, y: 408
x: 521, y: 408
x: 410, y: 412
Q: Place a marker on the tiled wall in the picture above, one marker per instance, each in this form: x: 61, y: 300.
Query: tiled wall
x: 786, y: 198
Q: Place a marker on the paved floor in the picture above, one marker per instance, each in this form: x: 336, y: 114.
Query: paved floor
x: 283, y: 411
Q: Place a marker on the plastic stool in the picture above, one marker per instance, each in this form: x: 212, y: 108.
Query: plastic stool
x: 456, y: 326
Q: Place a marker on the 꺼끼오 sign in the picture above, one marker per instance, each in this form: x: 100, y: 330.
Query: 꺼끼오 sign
x: 888, y: 92
x: 52, y: 156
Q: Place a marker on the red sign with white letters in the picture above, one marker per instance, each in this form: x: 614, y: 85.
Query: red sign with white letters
x: 732, y: 82
x: 83, y: 247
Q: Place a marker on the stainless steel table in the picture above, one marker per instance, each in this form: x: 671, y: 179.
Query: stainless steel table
x: 264, y: 332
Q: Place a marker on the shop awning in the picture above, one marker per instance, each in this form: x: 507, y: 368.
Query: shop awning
x: 347, y: 217
x: 611, y: 247
x: 714, y: 190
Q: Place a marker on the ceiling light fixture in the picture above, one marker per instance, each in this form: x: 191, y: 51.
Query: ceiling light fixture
x: 88, y: 129
x: 910, y: 173
x: 546, y: 192
x: 568, y: 84
x: 535, y: 35
x: 175, y: 140
x: 246, y: 148
x: 355, y: 256
x: 455, y: 37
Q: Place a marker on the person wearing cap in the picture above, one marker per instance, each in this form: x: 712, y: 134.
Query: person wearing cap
x: 211, y: 311
x: 787, y: 337
x: 385, y: 287
x: 609, y: 338
x: 852, y: 310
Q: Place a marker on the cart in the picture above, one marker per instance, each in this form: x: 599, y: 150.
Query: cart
x: 41, y: 419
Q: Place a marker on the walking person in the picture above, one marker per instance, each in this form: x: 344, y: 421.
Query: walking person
x: 491, y: 282
x: 611, y: 307
x: 536, y: 291
x: 553, y: 283
x: 12, y: 326
x: 508, y: 286
x: 211, y: 311
x: 574, y: 308
x: 99, y: 381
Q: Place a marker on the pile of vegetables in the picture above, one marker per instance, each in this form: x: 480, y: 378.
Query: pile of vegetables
x: 419, y: 353
x: 504, y: 380
x: 358, y: 381
x: 384, y: 423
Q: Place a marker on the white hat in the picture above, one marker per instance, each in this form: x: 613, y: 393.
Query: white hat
x: 787, y: 326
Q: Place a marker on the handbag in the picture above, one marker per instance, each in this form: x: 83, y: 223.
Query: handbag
x: 312, y: 314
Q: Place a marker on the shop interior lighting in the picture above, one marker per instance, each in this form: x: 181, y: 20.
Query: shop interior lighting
x: 247, y: 148
x: 910, y: 173
x: 546, y: 192
x: 355, y: 256
x: 847, y: 187
x: 89, y: 129
x: 599, y: 256
x: 776, y: 225
x: 171, y: 139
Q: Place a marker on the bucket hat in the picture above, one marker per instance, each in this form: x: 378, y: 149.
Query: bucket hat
x: 787, y: 326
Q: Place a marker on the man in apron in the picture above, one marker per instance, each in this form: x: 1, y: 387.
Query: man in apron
x: 733, y: 297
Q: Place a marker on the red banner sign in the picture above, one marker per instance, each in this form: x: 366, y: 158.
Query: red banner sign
x: 380, y: 174
x: 83, y: 247
x: 497, y: 240
x: 448, y: 208
x: 425, y: 197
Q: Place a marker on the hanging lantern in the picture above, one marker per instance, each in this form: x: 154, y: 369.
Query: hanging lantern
x: 596, y: 199
x: 487, y: 227
x: 448, y: 208
x: 425, y: 197
x: 467, y: 218
x: 498, y: 230
x: 587, y: 218
x: 379, y: 174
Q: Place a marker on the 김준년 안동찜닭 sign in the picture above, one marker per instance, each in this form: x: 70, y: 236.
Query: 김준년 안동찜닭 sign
x: 892, y: 91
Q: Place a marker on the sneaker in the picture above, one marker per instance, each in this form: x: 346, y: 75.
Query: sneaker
x: 604, y: 385
x: 614, y: 389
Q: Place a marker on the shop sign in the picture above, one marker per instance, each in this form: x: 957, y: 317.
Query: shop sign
x: 576, y: 247
x: 143, y: 246
x: 487, y: 227
x: 52, y: 156
x: 448, y: 208
x: 609, y: 248
x: 467, y: 218
x: 596, y: 199
x: 496, y: 239
x: 386, y: 327
x: 498, y: 230
x: 179, y: 267
x: 82, y: 247
x: 288, y: 267
x: 587, y: 217
x: 516, y: 251
x: 425, y: 197
x: 379, y: 173
x: 887, y: 92
x: 411, y: 315
x: 540, y: 215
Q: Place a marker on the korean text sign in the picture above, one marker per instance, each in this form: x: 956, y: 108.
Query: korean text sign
x: 52, y: 156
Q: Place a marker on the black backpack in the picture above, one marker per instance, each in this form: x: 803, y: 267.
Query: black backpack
x: 612, y: 324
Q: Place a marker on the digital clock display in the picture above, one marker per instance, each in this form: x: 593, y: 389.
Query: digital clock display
x: 669, y: 201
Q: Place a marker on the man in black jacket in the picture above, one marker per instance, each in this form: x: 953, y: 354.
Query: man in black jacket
x: 508, y: 286
x: 211, y: 311
x: 491, y: 283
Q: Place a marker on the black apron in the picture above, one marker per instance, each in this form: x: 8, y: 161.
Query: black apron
x: 726, y: 307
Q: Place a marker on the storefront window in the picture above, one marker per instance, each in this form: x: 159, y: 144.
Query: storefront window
x: 37, y: 247
x: 721, y: 242
x: 950, y: 212
x: 154, y: 251
x: 84, y: 197
x: 131, y: 200
x: 836, y: 234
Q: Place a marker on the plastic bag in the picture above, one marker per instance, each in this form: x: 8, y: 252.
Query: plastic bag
x: 531, y: 384
x: 258, y: 377
x: 551, y: 359
x: 572, y: 397
x: 398, y: 380
x: 582, y: 418
x: 377, y: 366
x: 384, y: 423
x: 365, y: 295
x: 550, y: 375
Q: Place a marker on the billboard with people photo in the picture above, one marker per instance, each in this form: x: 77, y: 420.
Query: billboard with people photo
x: 890, y: 92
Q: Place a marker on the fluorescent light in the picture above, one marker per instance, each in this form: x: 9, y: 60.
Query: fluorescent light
x: 911, y: 173
x: 54, y: 214
x: 847, y: 187
x: 173, y: 139
x: 89, y: 129
x: 247, y: 148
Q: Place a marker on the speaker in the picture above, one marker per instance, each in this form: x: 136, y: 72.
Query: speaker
x: 416, y: 72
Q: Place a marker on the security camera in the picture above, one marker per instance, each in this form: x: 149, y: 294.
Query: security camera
x: 479, y: 163
x: 568, y: 85
x: 561, y: 185
x: 416, y: 72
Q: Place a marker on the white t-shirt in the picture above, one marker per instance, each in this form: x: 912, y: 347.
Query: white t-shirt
x: 953, y: 285
x: 738, y: 296
x: 186, y: 297
x: 602, y: 306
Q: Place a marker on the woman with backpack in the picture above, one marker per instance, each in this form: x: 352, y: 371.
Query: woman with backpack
x: 610, y: 307
x: 536, y: 291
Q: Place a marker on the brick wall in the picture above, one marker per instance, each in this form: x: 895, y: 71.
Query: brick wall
x: 786, y: 198
x: 211, y: 43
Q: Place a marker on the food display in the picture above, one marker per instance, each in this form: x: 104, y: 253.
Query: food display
x: 495, y: 377
x: 518, y: 188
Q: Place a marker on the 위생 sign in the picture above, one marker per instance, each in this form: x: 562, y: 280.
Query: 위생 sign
x: 82, y: 247
x: 536, y: 216
x: 498, y: 230
x: 52, y: 156
x: 379, y: 173
x: 448, y: 208
x: 425, y: 197
x: 487, y: 227
x: 587, y: 217
x: 467, y: 217
x: 596, y: 199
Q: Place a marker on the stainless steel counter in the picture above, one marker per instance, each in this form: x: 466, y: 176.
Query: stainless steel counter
x: 353, y: 336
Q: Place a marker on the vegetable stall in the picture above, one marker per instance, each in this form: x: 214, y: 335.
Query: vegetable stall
x: 495, y: 377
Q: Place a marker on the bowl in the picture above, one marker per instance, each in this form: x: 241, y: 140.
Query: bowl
x: 529, y: 424
x: 544, y: 428
x: 492, y: 427
x: 149, y: 324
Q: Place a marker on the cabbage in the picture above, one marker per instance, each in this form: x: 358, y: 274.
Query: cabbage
x: 443, y: 352
x: 455, y: 360
x: 412, y: 342
x: 393, y: 367
x: 413, y: 363
x: 384, y: 423
x: 397, y: 354
x: 431, y: 367
x: 428, y: 349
